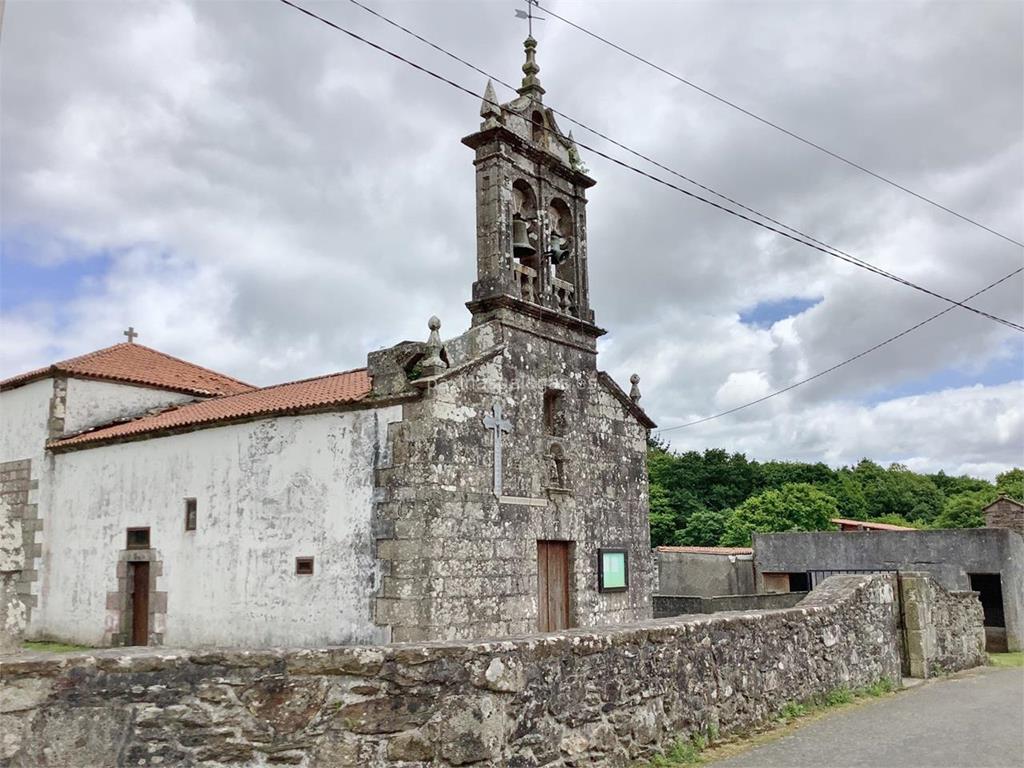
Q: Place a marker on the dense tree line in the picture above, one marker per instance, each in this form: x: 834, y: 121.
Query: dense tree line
x: 719, y: 499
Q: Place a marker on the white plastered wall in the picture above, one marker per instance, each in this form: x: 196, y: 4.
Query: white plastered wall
x: 268, y: 492
x: 91, y: 403
x: 24, y: 412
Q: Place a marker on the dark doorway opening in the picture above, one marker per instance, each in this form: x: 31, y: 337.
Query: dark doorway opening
x: 990, y: 590
x: 800, y: 582
x: 553, y: 586
x: 140, y: 603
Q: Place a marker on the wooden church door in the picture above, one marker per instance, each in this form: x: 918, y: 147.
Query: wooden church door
x: 552, y: 586
x: 140, y: 604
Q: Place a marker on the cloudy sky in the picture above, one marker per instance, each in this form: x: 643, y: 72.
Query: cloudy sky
x: 262, y: 195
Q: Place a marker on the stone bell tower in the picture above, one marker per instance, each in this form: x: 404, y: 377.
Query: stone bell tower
x: 530, y: 212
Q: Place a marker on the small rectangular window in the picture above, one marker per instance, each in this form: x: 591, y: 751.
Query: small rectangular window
x: 304, y: 566
x: 190, y: 514
x: 138, y: 538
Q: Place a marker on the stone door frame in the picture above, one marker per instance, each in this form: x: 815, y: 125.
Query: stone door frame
x: 118, y: 630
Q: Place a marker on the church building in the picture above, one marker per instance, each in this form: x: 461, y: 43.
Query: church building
x: 490, y: 484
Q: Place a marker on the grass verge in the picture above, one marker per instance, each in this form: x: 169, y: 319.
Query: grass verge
x: 47, y: 646
x: 1015, y: 659
x: 691, y: 751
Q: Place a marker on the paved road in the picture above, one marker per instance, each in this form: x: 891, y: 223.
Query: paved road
x: 970, y: 721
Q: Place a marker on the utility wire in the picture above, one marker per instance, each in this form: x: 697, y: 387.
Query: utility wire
x: 619, y: 162
x: 847, y: 361
x: 777, y: 127
x: 670, y: 185
x: 599, y: 134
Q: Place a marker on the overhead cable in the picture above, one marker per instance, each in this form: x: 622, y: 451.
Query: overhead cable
x: 838, y: 253
x: 778, y: 127
x: 810, y: 244
x: 847, y: 361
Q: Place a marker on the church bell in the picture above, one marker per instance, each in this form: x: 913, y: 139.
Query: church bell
x: 521, y: 246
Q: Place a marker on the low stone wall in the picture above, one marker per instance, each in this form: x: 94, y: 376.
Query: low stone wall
x: 603, y: 696
x: 678, y: 605
x: 944, y: 630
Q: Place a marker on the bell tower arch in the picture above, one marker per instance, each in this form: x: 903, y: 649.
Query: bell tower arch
x: 530, y: 211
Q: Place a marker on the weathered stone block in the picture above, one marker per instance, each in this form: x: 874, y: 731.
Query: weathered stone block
x: 387, y: 715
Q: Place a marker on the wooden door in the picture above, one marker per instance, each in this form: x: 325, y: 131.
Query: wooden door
x: 140, y: 604
x: 552, y: 586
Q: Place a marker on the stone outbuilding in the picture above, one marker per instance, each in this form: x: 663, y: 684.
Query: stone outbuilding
x: 1005, y: 512
x: 989, y: 561
x: 490, y: 484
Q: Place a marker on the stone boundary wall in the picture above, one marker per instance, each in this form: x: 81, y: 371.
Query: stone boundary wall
x: 678, y: 605
x: 944, y: 630
x: 604, y: 696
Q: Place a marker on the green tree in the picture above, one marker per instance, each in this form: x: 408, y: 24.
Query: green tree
x: 897, y: 520
x: 952, y: 485
x: 663, y: 524
x: 704, y: 528
x: 898, y: 491
x: 724, y: 480
x: 964, y: 510
x: 849, y: 495
x: 1011, y: 483
x: 775, y: 474
x: 793, y: 507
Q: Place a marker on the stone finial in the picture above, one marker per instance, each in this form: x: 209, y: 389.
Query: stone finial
x: 634, y: 391
x: 574, y: 156
x: 489, y: 107
x: 531, y: 84
x: 432, y: 364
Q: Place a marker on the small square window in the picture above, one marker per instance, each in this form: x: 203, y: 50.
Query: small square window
x: 612, y: 570
x: 138, y: 538
x: 304, y: 566
x: 190, y: 514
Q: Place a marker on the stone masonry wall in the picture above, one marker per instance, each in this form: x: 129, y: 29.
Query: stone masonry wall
x: 944, y: 630
x: 677, y: 605
x: 459, y: 562
x: 1005, y: 513
x: 19, y: 522
x: 605, y: 696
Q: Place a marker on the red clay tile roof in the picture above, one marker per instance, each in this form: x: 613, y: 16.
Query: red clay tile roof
x: 138, y: 364
x: 308, y: 394
x: 709, y: 550
x: 868, y: 525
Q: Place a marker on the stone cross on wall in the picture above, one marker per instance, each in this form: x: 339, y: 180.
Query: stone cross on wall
x: 497, y: 424
x: 132, y: 334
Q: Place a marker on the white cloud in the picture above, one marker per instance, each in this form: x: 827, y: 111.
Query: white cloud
x: 741, y: 387
x: 976, y: 430
x: 274, y: 200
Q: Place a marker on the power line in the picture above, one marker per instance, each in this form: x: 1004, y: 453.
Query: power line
x: 619, y: 162
x: 810, y: 244
x: 778, y: 127
x: 598, y: 133
x: 847, y: 361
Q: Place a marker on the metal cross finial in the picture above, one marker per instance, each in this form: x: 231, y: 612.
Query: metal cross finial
x: 528, y: 15
x: 131, y: 334
x: 497, y: 424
